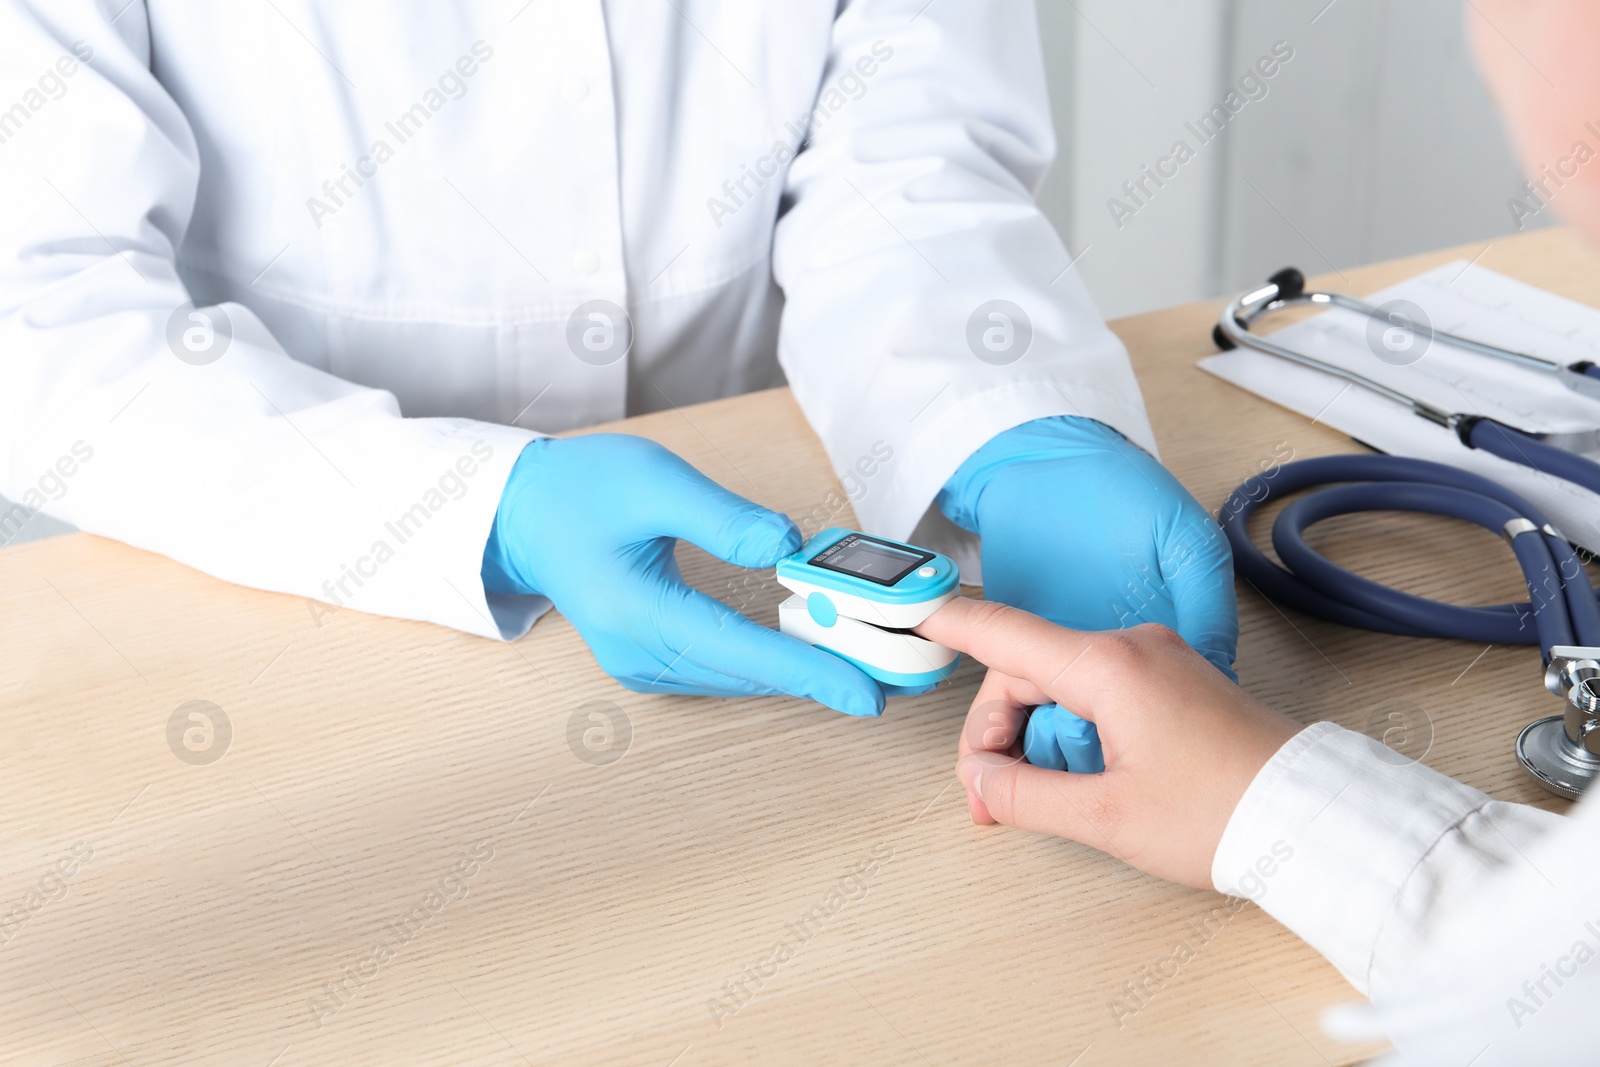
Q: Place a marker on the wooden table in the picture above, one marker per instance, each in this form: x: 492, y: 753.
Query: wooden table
x: 411, y: 852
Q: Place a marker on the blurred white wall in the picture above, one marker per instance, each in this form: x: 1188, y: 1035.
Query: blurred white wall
x: 1375, y: 140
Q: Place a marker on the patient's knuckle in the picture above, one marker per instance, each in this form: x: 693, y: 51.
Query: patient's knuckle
x: 1155, y: 636
x: 1121, y: 650
x: 1000, y: 793
x: 988, y: 615
x: 989, y: 727
x: 1102, y: 815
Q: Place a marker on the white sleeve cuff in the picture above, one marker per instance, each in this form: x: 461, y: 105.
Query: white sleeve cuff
x: 515, y: 615
x: 1329, y: 833
x: 412, y: 547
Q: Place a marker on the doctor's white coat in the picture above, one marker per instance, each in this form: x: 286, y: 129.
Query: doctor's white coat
x: 410, y: 227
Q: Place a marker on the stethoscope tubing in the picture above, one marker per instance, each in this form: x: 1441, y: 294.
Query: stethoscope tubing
x: 1562, y: 602
x: 1560, y: 750
x: 1510, y: 443
x: 1562, y: 608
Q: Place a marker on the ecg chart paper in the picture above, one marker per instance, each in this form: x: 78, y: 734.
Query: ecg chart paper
x: 1475, y: 303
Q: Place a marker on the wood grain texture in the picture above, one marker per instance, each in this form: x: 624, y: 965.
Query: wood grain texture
x: 611, y: 906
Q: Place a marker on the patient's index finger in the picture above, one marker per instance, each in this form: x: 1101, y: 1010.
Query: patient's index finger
x: 1017, y: 643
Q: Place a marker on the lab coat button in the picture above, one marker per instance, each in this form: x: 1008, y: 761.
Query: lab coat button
x: 574, y: 88
x: 585, y: 261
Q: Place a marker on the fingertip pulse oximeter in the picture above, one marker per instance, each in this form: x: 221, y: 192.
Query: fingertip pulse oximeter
x: 858, y: 596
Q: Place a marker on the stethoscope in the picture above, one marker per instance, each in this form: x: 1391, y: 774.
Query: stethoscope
x: 1563, y: 751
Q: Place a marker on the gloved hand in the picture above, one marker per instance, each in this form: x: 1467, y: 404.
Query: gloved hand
x: 591, y: 522
x: 1061, y: 741
x: 1089, y: 531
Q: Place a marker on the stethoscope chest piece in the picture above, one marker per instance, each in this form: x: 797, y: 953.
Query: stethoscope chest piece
x: 1563, y: 751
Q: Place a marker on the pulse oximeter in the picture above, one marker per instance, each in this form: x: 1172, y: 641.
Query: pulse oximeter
x: 858, y: 596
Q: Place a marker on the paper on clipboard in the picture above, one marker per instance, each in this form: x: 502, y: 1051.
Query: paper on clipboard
x: 1462, y: 299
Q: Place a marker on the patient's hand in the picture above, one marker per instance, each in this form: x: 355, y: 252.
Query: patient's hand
x: 1181, y: 742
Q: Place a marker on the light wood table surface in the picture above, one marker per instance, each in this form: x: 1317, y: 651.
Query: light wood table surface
x: 412, y: 812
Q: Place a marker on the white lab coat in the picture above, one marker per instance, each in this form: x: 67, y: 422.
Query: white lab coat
x: 399, y: 207
x: 1473, y: 924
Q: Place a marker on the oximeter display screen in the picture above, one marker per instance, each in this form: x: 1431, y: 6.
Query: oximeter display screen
x: 876, y: 561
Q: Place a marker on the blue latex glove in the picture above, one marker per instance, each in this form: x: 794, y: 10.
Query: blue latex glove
x: 1089, y: 531
x: 1059, y: 740
x: 591, y: 522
